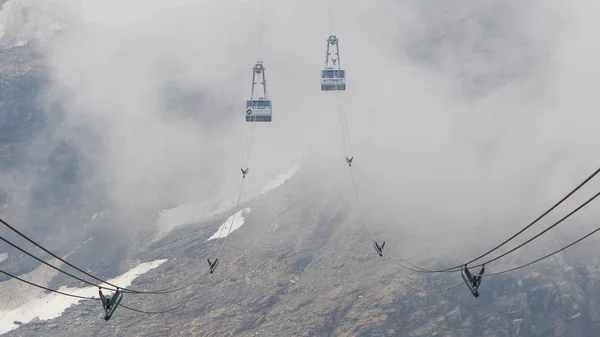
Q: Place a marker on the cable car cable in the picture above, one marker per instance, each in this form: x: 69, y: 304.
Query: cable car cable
x: 246, y: 154
x: 528, y: 226
x: 157, y: 312
x: 244, y: 166
x: 260, y: 41
x: 412, y: 267
x: 53, y: 267
x: 232, y: 219
x: 344, y: 121
x: 88, y: 298
x: 421, y: 289
x: 457, y: 268
x: 46, y: 288
x: 125, y: 306
x: 346, y: 138
x: 545, y: 256
x: 188, y: 298
x: 225, y: 223
x: 345, y: 134
x: 348, y: 149
x: 123, y: 289
x: 542, y: 232
x: 171, y: 289
x: 330, y: 18
x: 249, y: 148
x: 423, y: 270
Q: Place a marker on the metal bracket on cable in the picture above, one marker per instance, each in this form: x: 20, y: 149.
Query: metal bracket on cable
x: 379, y: 248
x: 213, y: 265
x: 473, y: 282
x: 110, y: 304
x: 349, y: 161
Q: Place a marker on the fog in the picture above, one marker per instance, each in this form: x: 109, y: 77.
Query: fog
x: 470, y: 117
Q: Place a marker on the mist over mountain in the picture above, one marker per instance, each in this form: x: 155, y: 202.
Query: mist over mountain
x: 122, y: 134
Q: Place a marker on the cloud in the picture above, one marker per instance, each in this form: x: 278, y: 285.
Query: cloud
x: 483, y: 121
x: 124, y: 12
x: 463, y: 115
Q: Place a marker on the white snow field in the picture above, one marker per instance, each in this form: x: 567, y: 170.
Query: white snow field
x: 23, y: 303
x: 232, y: 224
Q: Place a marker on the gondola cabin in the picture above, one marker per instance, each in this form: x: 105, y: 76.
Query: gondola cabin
x: 258, y: 110
x: 333, y: 79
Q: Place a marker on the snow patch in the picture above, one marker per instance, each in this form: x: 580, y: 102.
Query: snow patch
x: 34, y: 302
x: 14, y: 291
x: 232, y: 223
x: 189, y: 213
x: 3, y: 257
x: 214, y: 201
x: 74, y: 249
x: 280, y: 179
x: 105, y: 214
x: 203, y: 210
x: 126, y: 279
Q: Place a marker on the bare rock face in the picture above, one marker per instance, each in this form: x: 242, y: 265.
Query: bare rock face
x: 289, y: 282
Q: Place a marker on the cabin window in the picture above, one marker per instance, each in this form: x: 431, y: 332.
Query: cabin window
x: 333, y: 73
x: 258, y: 104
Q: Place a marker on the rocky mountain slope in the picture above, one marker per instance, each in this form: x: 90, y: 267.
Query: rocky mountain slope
x: 311, y: 272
